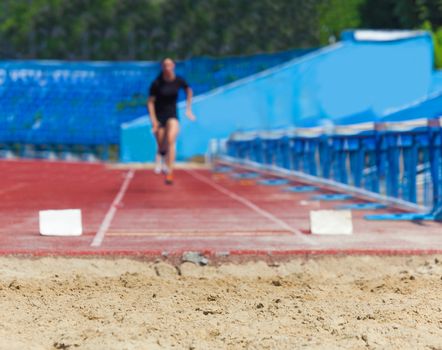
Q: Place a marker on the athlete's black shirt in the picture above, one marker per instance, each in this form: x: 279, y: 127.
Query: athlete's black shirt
x: 166, y: 96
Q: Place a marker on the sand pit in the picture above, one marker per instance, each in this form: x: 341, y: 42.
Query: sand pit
x: 316, y: 303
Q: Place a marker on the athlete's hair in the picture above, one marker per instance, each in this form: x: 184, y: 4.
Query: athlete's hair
x: 167, y: 58
x: 162, y: 62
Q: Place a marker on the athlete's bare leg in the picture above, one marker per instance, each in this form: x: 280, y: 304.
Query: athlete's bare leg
x: 158, y: 159
x: 172, y: 129
x: 161, y: 138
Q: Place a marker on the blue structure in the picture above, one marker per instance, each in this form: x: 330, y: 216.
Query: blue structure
x: 67, y: 104
x: 392, y: 155
x: 355, y: 80
x: 394, y: 158
x: 428, y: 108
x: 390, y: 162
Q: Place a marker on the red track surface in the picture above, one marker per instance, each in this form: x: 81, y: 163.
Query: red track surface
x: 210, y: 213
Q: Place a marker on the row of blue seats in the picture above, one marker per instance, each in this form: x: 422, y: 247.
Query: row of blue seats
x: 38, y: 99
x: 74, y: 137
x: 70, y: 152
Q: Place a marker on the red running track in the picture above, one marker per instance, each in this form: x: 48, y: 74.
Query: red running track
x: 132, y: 212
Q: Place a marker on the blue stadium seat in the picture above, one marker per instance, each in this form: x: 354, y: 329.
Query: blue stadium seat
x: 84, y: 103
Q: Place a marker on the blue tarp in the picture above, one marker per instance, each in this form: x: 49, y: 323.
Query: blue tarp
x: 429, y: 108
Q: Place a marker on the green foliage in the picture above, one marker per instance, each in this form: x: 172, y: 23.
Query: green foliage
x: 437, y: 39
x: 437, y: 42
x: 152, y: 29
x: 337, y: 15
x: 401, y: 14
x: 77, y: 29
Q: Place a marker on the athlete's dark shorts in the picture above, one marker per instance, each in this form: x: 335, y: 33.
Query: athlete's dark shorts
x: 163, y: 120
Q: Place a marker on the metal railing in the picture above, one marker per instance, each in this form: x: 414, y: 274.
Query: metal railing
x: 397, y: 160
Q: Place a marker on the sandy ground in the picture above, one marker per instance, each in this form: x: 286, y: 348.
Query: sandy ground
x: 316, y: 303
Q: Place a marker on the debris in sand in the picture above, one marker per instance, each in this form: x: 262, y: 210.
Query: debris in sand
x: 195, y: 257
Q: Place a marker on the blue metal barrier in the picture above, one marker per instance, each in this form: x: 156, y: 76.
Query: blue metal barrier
x: 396, y: 160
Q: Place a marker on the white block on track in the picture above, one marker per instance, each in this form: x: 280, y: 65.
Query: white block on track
x: 65, y: 222
x: 331, y: 222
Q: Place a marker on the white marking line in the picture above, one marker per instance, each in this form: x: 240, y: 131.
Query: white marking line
x: 99, y: 236
x: 250, y: 205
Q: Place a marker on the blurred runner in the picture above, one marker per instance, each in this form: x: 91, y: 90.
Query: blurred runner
x: 162, y: 106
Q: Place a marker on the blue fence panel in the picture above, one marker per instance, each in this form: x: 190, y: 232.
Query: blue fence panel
x: 390, y: 159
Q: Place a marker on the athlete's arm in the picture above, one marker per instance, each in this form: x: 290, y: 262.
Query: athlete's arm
x: 189, y: 113
x: 152, y: 114
x: 153, y: 91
